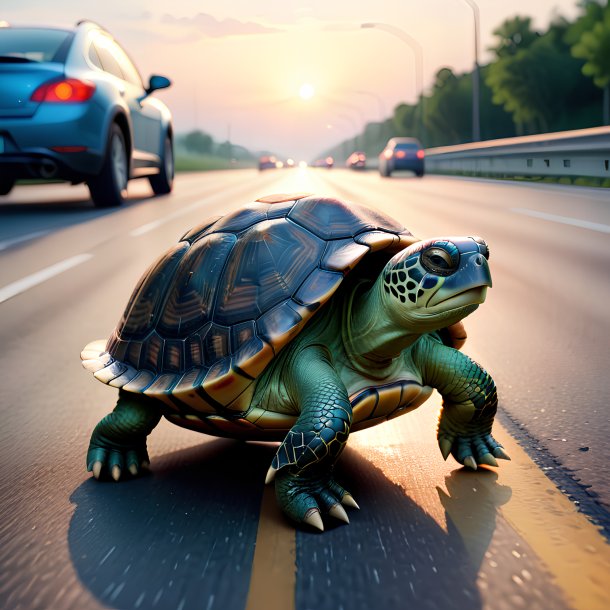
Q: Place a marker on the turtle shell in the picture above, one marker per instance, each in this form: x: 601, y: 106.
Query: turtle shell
x: 209, y: 315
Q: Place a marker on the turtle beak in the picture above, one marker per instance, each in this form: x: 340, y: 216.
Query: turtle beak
x: 470, y: 283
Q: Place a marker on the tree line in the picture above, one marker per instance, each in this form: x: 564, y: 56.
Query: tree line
x: 537, y: 82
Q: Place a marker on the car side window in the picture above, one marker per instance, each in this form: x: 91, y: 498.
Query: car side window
x: 109, y: 63
x: 130, y: 72
x: 94, y: 58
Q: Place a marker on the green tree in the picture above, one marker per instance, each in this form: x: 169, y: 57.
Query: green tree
x: 448, y: 109
x: 593, y: 45
x: 513, y: 35
x: 198, y: 142
x: 539, y: 84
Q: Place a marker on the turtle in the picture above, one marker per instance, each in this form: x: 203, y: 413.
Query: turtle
x: 297, y: 318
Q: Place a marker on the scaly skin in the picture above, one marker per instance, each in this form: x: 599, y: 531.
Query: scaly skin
x: 118, y: 441
x: 305, y: 459
x: 470, y: 403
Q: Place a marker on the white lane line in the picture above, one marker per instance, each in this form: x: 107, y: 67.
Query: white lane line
x: 157, y: 223
x: 16, y: 240
x: 566, y: 220
x: 43, y: 275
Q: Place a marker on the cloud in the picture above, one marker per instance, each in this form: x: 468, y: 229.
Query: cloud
x: 208, y: 25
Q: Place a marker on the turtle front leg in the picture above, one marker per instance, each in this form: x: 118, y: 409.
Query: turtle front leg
x: 470, y: 402
x: 118, y: 442
x: 303, y: 465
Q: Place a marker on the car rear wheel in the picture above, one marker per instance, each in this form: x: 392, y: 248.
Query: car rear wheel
x: 163, y: 182
x: 6, y: 185
x: 419, y: 173
x: 108, y: 188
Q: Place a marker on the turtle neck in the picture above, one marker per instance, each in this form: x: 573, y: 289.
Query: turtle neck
x: 372, y: 333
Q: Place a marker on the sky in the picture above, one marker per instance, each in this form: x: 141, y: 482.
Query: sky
x: 237, y: 67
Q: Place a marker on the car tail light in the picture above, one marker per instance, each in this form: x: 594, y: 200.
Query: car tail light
x: 387, y: 153
x: 420, y: 154
x: 401, y: 154
x: 69, y: 149
x: 68, y: 90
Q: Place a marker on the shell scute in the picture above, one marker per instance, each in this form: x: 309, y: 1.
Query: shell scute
x: 279, y: 325
x: 343, y: 255
x: 334, y: 219
x: 318, y: 287
x: 147, y: 300
x: 196, y: 232
x: 253, y: 357
x: 192, y: 291
x: 216, y: 344
x: 243, y: 218
x: 269, y: 263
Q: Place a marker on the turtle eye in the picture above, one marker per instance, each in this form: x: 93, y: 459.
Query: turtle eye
x: 438, y: 261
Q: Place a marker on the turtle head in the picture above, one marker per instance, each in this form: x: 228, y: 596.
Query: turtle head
x: 435, y: 283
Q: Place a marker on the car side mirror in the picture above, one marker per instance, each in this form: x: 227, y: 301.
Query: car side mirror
x: 158, y: 82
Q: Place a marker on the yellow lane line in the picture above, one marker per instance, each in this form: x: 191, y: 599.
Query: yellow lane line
x: 572, y: 547
x: 273, y: 580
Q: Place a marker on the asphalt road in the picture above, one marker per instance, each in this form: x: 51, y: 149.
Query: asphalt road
x: 201, y: 531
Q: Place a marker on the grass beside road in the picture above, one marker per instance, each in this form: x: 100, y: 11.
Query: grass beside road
x: 200, y: 163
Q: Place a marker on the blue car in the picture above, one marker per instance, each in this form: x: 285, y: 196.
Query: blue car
x: 402, y: 154
x: 73, y: 107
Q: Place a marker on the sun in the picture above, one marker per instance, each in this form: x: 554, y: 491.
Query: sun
x: 306, y: 91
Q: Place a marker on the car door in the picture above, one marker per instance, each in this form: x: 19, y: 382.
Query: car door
x: 145, y: 118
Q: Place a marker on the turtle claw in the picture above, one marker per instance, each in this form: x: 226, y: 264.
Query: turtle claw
x: 116, y: 472
x: 338, y: 512
x: 133, y: 469
x: 97, y: 469
x: 314, y: 519
x: 348, y: 500
x: 445, y: 447
x: 470, y: 462
x: 270, y: 475
x: 488, y: 460
x: 501, y: 454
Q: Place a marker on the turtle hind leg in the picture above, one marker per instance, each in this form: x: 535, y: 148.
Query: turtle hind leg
x: 118, y: 442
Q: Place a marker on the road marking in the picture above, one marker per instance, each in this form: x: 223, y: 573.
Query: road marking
x: 273, y: 580
x: 566, y: 220
x: 161, y: 221
x: 571, y: 546
x: 16, y: 240
x: 39, y: 277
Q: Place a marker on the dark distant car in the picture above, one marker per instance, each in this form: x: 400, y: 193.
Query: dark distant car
x: 73, y: 107
x: 402, y: 154
x: 267, y: 162
x: 357, y: 160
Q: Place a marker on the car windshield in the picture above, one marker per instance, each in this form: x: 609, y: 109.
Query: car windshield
x: 21, y: 45
x: 406, y: 146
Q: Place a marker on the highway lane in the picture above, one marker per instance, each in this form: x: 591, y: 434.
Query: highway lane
x: 193, y: 534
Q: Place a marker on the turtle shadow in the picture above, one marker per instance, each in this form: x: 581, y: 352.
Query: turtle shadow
x: 176, y: 538
x: 184, y: 537
x: 394, y: 554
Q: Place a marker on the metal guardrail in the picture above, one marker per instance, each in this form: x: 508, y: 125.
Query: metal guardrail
x: 582, y: 153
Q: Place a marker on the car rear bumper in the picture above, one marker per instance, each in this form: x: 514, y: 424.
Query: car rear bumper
x: 26, y: 149
x: 407, y: 164
x: 48, y: 166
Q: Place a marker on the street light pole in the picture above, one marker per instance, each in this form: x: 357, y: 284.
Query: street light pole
x: 419, y: 60
x: 476, y: 78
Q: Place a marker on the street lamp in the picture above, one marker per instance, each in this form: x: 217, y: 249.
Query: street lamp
x: 476, y: 113
x: 419, y: 59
